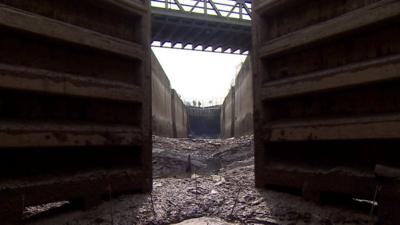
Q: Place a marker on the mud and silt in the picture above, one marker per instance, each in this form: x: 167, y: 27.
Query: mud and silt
x: 208, y: 182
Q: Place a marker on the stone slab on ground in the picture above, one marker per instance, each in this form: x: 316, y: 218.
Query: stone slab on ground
x: 205, y: 221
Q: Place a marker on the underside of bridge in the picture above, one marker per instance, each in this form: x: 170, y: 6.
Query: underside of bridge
x: 209, y: 26
x: 88, y: 115
x: 195, y: 32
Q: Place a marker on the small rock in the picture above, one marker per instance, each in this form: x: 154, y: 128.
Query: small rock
x: 156, y: 184
x: 213, y: 192
x: 194, y: 176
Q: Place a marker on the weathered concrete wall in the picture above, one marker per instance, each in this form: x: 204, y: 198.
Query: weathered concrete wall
x: 227, y: 111
x: 237, y: 110
x: 222, y: 121
x: 179, y: 116
x: 161, y: 101
x: 204, y: 122
x: 327, y: 99
x: 243, y: 124
x: 74, y: 87
x: 169, y: 112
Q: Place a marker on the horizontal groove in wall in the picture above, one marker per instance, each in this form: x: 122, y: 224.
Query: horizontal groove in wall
x: 23, y: 49
x: 346, y: 76
x: 375, y: 43
x: 379, y: 127
x: 32, y: 79
x: 26, y: 21
x: 42, y: 107
x: 301, y: 14
x: 71, y: 163
x: 101, y: 16
x: 352, y: 21
x: 364, y: 100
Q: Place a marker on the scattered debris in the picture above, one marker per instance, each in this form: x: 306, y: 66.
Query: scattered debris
x: 209, y: 195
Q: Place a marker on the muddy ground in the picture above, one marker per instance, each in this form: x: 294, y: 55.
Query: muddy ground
x: 213, y: 181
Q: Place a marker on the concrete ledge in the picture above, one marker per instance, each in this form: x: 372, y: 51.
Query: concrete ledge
x: 377, y: 12
x: 26, y: 21
x: 63, y: 135
x: 351, y: 75
x: 378, y: 127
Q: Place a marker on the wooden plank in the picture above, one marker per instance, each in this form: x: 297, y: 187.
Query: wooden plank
x: 258, y: 109
x: 134, y: 6
x: 50, y: 180
x: 26, y: 21
x: 313, y: 169
x: 15, y: 135
x: 31, y: 79
x: 35, y: 190
x: 339, y: 180
x: 262, y: 7
x: 346, y: 76
x: 380, y: 127
x: 356, y: 19
x: 387, y: 171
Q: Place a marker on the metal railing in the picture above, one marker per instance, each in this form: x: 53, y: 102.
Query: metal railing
x: 239, y: 9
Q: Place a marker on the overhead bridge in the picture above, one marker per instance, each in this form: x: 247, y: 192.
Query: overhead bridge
x: 202, y: 25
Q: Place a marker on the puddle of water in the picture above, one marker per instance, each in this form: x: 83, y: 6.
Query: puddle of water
x: 205, y: 221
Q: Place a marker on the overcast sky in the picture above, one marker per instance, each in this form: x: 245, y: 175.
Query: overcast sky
x: 202, y: 76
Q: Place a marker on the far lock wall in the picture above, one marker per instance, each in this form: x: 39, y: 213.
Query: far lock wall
x: 169, y: 116
x: 237, y: 109
x: 204, y: 122
x: 161, y: 100
x: 179, y: 116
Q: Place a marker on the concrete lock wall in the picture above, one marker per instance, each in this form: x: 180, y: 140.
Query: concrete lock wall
x: 179, y: 116
x: 237, y: 109
x: 161, y: 100
x: 169, y: 114
x: 227, y: 111
x: 243, y: 119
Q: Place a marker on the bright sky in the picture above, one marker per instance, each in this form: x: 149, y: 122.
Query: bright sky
x: 201, y: 76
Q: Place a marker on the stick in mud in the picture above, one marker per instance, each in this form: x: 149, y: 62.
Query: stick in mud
x: 195, y: 182
x: 111, y: 204
x: 152, y: 205
x: 236, y: 201
x: 189, y: 166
